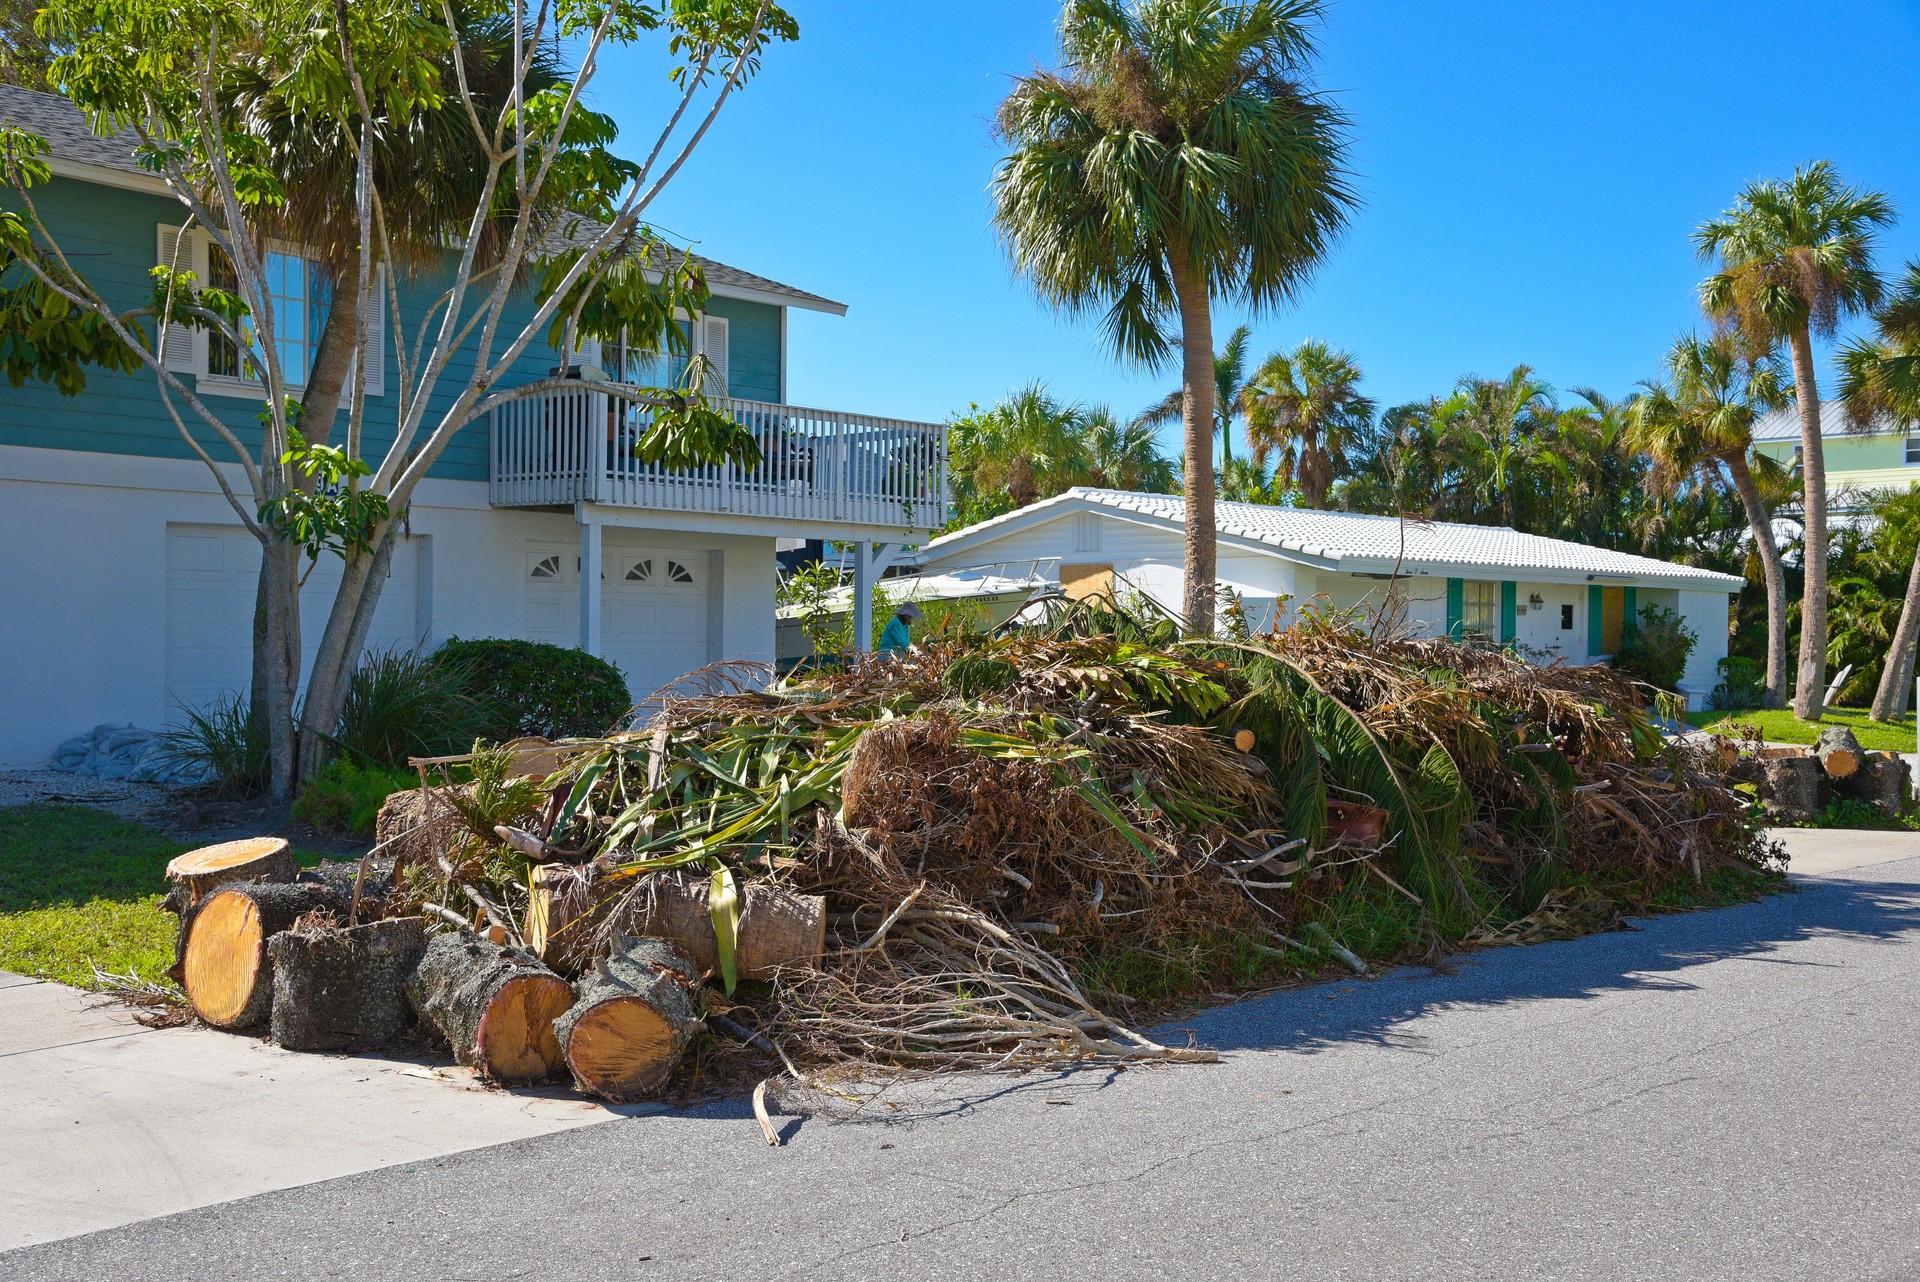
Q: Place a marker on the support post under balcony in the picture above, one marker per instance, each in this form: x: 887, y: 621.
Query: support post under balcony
x: 862, y: 597
x: 590, y: 587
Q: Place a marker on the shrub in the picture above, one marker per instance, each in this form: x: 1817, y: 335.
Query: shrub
x: 1657, y: 650
x: 226, y: 744
x: 1743, y: 685
x: 404, y: 704
x: 344, y: 798
x: 529, y: 687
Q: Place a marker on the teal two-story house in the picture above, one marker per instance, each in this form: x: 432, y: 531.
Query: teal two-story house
x: 129, y: 582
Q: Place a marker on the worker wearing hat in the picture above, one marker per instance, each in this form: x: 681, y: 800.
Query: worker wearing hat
x: 898, y: 636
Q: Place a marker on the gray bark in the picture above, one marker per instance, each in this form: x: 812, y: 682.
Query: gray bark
x: 650, y: 974
x: 340, y: 646
x: 1810, y: 691
x: 1772, y: 573
x: 454, y: 988
x: 278, y: 905
x: 340, y: 990
x: 1896, y: 678
x: 1197, y: 426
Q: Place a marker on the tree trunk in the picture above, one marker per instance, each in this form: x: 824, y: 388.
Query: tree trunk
x: 634, y: 1015
x: 1810, y: 693
x: 1881, y: 782
x: 1197, y: 388
x: 1772, y: 573
x: 283, y: 656
x: 1838, y: 751
x: 198, y: 873
x: 227, y: 970
x: 1896, y: 678
x: 344, y: 990
x: 572, y: 910
x: 1795, y: 788
x: 494, y: 1005
x: 340, y: 646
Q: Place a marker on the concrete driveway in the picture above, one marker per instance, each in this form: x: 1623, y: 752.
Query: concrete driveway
x: 1717, y: 1095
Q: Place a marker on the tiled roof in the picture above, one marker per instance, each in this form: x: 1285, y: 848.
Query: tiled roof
x: 1358, y: 542
x: 1784, y: 424
x: 68, y: 134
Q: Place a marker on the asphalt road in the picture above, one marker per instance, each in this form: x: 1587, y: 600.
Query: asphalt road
x: 1720, y: 1095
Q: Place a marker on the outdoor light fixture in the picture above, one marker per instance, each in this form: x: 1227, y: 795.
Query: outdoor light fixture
x: 1536, y: 599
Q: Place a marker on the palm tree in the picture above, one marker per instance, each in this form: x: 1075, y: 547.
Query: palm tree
x: 1702, y: 421
x: 1126, y: 456
x: 1176, y: 157
x: 1229, y: 382
x: 1880, y: 382
x: 1246, y: 480
x: 1305, y: 406
x: 1500, y: 431
x: 1796, y: 258
x: 1030, y: 446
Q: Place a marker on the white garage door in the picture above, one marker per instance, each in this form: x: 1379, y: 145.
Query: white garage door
x: 656, y: 608
x: 212, y: 574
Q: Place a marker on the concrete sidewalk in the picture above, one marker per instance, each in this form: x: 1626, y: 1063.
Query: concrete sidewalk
x: 1812, y: 852
x: 105, y: 1122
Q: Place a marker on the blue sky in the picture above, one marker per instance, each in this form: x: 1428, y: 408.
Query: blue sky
x: 1530, y: 172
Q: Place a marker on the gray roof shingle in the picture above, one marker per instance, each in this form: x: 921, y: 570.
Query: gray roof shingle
x: 71, y: 138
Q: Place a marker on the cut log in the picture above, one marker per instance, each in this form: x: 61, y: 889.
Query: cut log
x: 573, y: 910
x: 494, y: 1005
x: 1839, y: 752
x: 1355, y: 824
x: 1794, y: 788
x: 417, y: 826
x: 1882, y: 781
x: 1244, y: 739
x: 1783, y: 752
x: 344, y: 990
x: 198, y: 873
x: 225, y: 966
x: 634, y: 1013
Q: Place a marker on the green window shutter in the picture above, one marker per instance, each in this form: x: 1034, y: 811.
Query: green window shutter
x: 1596, y: 621
x: 1456, y: 608
x: 1509, y: 613
x: 1630, y: 624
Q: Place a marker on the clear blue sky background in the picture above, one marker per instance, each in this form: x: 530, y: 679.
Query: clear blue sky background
x: 1530, y: 169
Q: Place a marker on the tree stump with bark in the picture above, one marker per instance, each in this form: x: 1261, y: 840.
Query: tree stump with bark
x: 341, y: 990
x: 634, y: 1013
x: 224, y: 963
x: 1794, y: 789
x: 198, y: 873
x: 417, y: 826
x: 573, y: 908
x: 494, y: 1005
x: 1838, y: 751
x: 1882, y: 781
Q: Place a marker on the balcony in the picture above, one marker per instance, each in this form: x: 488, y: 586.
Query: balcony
x: 821, y: 474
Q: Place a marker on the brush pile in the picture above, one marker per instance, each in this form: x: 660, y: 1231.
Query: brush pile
x: 959, y: 858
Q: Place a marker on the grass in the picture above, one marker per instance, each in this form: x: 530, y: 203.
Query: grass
x: 1781, y: 726
x: 80, y: 889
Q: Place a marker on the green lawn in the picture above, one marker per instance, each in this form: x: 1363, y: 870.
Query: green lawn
x: 1781, y: 726
x: 80, y: 889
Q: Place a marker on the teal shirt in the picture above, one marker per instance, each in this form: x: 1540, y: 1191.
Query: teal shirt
x: 896, y: 638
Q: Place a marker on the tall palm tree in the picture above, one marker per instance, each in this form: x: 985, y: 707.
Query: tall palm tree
x: 1229, y: 382
x: 1305, y: 405
x: 1029, y: 447
x: 1500, y: 430
x: 1880, y: 383
x: 1701, y: 421
x: 1795, y: 259
x: 1175, y: 157
x: 1126, y: 455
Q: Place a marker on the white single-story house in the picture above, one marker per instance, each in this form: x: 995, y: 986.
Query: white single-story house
x: 1548, y: 597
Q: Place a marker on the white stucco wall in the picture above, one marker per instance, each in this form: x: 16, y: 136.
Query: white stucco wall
x: 83, y: 577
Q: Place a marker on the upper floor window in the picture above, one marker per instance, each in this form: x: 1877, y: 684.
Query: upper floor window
x: 1480, y: 611
x: 1913, y: 447
x: 629, y: 362
x: 300, y: 296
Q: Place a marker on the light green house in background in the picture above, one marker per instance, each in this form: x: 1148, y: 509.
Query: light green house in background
x: 1857, y: 462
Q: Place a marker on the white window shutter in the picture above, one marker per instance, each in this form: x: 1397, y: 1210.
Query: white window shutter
x: 182, y: 251
x: 375, y: 310
x: 713, y: 341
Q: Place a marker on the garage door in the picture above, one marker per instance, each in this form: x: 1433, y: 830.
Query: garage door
x: 656, y: 608
x: 212, y: 574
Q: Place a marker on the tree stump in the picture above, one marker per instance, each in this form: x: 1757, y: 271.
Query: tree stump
x: 1794, y: 788
x: 198, y: 873
x: 225, y: 966
x: 417, y: 826
x: 494, y: 1005
x: 1881, y: 781
x: 634, y: 1013
x: 573, y: 908
x: 344, y: 990
x: 1839, y: 752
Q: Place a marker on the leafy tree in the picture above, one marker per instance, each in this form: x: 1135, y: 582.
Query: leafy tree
x: 1229, y: 382
x: 1306, y: 407
x: 1028, y: 447
x: 572, y: 257
x: 1126, y: 455
x: 1795, y: 258
x: 1175, y: 157
x: 1700, y: 422
x: 1880, y: 382
x: 1499, y: 430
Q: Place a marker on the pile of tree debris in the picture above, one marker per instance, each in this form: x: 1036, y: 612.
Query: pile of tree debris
x: 1796, y: 783
x: 948, y: 860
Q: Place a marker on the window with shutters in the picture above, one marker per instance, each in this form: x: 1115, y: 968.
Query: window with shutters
x: 1913, y: 449
x: 630, y: 362
x: 1480, y: 611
